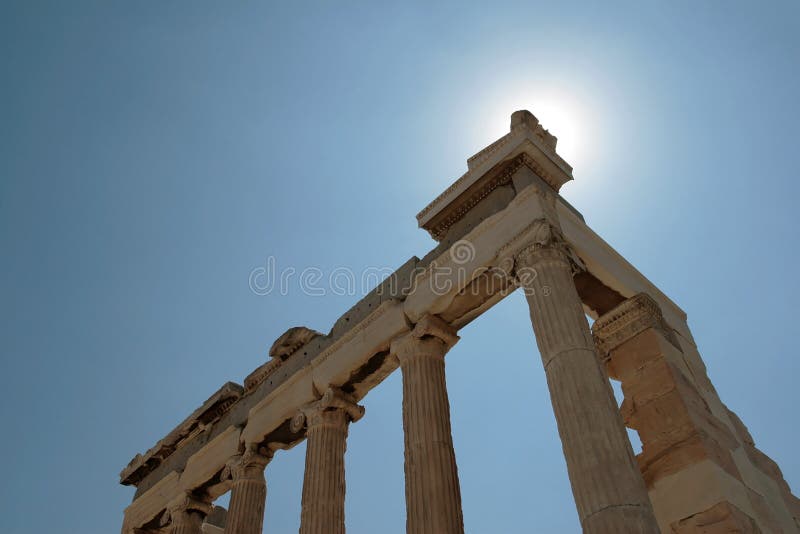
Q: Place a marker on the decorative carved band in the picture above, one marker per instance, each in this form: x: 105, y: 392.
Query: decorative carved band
x: 440, y: 227
x: 333, y: 399
x: 627, y: 320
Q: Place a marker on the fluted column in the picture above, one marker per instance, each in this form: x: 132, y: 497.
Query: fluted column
x: 249, y: 491
x: 609, y: 491
x: 433, y: 496
x: 186, y: 514
x: 324, y: 485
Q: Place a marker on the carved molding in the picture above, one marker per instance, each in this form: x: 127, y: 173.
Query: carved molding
x: 632, y: 317
x: 332, y: 400
x: 438, y: 229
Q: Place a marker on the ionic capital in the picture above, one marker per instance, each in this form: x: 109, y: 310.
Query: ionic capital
x: 248, y: 465
x: 430, y: 337
x: 180, y: 509
x: 334, y: 408
x: 544, y: 242
x: 627, y: 320
x: 540, y: 243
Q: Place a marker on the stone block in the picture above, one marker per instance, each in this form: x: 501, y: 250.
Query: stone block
x: 722, y: 518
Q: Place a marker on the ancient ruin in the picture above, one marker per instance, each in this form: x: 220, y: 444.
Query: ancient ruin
x: 699, y: 469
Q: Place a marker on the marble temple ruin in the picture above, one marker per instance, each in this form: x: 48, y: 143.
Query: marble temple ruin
x: 699, y: 470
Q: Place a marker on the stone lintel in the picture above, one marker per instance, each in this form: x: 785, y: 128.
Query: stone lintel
x: 613, y: 271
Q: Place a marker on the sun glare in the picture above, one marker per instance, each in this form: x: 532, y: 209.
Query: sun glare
x: 559, y: 113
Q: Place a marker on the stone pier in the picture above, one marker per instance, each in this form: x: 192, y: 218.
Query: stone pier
x: 691, y: 443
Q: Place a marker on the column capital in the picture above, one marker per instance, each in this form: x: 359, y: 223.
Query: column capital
x: 248, y: 465
x: 540, y: 241
x: 544, y: 241
x: 335, y: 407
x: 179, y: 510
x: 431, y: 337
x: 629, y: 319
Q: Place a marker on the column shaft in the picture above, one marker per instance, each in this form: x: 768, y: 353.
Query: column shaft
x: 327, y: 421
x: 609, y: 491
x: 433, y: 495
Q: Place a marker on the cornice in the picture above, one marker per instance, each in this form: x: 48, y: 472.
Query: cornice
x: 209, y: 412
x: 538, y: 149
x: 629, y: 319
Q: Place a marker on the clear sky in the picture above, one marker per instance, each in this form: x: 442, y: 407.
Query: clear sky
x: 152, y: 154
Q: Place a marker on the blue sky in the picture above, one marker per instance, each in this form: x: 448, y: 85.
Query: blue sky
x: 152, y: 154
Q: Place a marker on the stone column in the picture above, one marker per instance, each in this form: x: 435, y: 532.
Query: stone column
x: 186, y: 514
x: 609, y: 491
x: 324, y: 484
x: 433, y: 496
x: 249, y: 491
